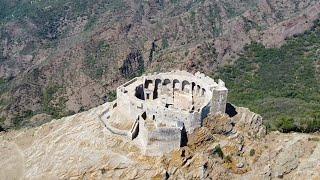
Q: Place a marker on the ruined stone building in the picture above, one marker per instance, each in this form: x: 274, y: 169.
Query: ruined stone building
x: 159, y: 110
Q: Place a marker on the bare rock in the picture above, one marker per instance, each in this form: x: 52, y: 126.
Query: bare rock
x: 79, y: 147
x: 249, y: 123
x: 240, y: 165
x: 219, y: 124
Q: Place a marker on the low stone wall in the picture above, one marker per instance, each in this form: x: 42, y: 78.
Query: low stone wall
x: 193, y: 122
x: 130, y: 104
x: 105, y: 116
x: 160, y: 141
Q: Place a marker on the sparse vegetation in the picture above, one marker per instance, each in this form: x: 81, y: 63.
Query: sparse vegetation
x: 174, y: 1
x: 218, y: 151
x: 112, y: 96
x: 192, y: 17
x: 316, y: 139
x: 252, y: 152
x: 227, y: 159
x: 165, y: 43
x: 19, y: 119
x: 58, y: 108
x: 215, y: 19
x: 47, y: 16
x: 97, y: 56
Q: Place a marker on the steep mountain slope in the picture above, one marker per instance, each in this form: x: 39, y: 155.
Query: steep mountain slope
x: 62, y: 57
x: 281, y: 84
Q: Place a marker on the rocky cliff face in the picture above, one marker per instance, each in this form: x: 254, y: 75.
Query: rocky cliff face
x: 69, y: 56
x: 79, y: 146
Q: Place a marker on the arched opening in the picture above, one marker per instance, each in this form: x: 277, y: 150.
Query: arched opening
x: 193, y: 85
x: 144, y: 115
x: 198, y: 89
x: 166, y: 82
x: 203, y: 92
x: 139, y: 92
x: 146, y: 83
x: 184, y: 83
x: 155, y: 92
x: 176, y: 84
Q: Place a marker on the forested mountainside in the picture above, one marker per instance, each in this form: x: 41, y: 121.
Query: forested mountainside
x: 282, y: 83
x: 61, y: 57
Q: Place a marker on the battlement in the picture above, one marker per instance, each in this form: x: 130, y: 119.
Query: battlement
x: 158, y: 109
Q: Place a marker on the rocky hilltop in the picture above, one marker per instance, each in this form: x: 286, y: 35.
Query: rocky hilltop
x: 64, y: 57
x: 228, y: 146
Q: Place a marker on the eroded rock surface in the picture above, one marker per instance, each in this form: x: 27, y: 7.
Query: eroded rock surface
x: 79, y: 146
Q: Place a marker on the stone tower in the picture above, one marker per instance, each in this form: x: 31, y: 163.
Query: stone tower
x: 219, y: 98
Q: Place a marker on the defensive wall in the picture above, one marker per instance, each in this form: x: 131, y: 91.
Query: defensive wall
x: 160, y: 108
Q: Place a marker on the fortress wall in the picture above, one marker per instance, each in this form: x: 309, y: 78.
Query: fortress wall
x: 129, y: 104
x: 136, y: 106
x: 171, y: 116
x: 207, y: 95
x: 163, y: 140
x: 121, y: 96
x: 164, y: 134
x: 143, y: 134
x: 116, y: 131
x: 159, y: 141
x: 130, y: 82
x: 200, y: 79
x: 200, y: 87
x: 105, y: 114
x: 205, y: 111
x: 194, y: 121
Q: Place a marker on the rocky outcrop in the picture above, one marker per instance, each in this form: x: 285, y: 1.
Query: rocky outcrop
x: 219, y: 124
x: 243, y: 121
x: 275, y: 36
x: 133, y: 65
x: 249, y: 123
x: 79, y: 146
x: 287, y: 156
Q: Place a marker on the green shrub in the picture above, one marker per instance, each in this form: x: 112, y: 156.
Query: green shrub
x: 112, y: 96
x: 165, y: 43
x: 310, y: 125
x: 227, y: 159
x: 285, y: 125
x: 58, y: 109
x: 252, y: 152
x: 218, y: 151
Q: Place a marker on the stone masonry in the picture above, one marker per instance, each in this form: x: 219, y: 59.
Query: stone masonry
x: 159, y: 110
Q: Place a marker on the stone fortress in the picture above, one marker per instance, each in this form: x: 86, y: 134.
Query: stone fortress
x: 158, y: 111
